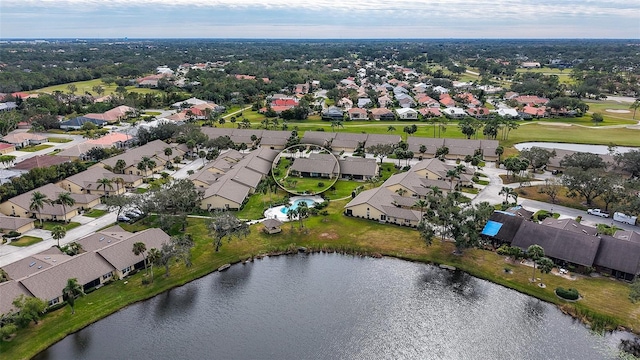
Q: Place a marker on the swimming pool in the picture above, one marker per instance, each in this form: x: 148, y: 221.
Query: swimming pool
x: 280, y: 212
x: 296, y: 203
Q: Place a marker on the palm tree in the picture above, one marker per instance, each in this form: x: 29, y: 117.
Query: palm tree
x: 545, y: 265
x: 118, y: 181
x: 120, y: 166
x: 391, y: 128
x: 507, y: 192
x: 58, y: 232
x: 452, y: 174
x: 302, y: 210
x: 139, y: 248
x: 635, y: 106
x: 147, y: 163
x: 152, y: 257
x: 168, y: 152
x: 291, y: 214
x: 65, y: 199
x: 499, y: 152
x: 535, y: 253
x: 38, y: 201
x: 71, y: 291
x: 401, y: 191
x: 421, y: 204
x: 103, y: 183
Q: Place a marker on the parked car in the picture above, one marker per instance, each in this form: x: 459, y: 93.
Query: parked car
x: 624, y: 218
x: 123, y: 218
x: 131, y: 215
x: 598, y: 212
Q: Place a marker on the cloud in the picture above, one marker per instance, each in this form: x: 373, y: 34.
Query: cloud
x: 327, y: 18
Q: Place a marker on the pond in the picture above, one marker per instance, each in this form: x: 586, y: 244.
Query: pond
x: 329, y: 306
x: 596, y: 149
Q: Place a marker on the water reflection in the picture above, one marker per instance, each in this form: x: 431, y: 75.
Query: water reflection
x: 328, y: 306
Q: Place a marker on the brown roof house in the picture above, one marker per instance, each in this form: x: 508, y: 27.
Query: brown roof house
x: 88, y: 182
x: 12, y: 223
x: 154, y: 150
x: 356, y: 168
x: 315, y: 166
x: 23, y: 139
x: 19, y: 205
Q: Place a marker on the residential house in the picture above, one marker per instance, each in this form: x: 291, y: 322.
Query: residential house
x: 332, y: 113
x: 17, y: 224
x: 357, y: 114
x: 23, y: 139
x: 345, y: 103
x: 454, y: 112
x: 114, y: 115
x: 430, y: 112
x: 447, y: 101
x: 356, y: 168
x: 20, y: 205
x: 347, y: 142
x: 427, y: 101
x: 478, y: 112
x: 154, y: 150
x: 383, y: 205
x: 315, y: 166
x: 88, y: 182
x: 319, y: 138
x: 40, y: 161
x: 531, y: 100
x: 569, y: 243
x: 364, y: 102
x: 508, y: 113
x: 407, y: 114
x: 382, y: 114
x: 536, y: 112
x: 237, y: 179
x: 77, y: 123
x: 375, y: 139
x: 6, y: 148
x: 385, y: 101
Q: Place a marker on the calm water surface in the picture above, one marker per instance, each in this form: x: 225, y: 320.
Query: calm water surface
x: 328, y: 306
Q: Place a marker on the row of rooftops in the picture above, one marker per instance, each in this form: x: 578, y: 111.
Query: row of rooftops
x: 567, y: 240
x: 45, y: 274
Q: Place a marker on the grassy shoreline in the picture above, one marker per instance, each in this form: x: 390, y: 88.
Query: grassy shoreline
x: 604, y: 298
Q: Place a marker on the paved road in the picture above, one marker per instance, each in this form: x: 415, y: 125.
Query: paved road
x: 9, y: 254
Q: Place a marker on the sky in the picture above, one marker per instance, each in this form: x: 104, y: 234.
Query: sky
x: 320, y: 19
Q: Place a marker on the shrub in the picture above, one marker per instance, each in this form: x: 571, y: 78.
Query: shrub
x: 324, y: 213
x: 320, y: 184
x: 569, y: 294
x: 503, y: 250
x: 11, y: 234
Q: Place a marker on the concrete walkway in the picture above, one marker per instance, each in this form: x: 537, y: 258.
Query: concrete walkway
x: 9, y: 254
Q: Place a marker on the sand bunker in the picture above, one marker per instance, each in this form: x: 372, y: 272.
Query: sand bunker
x: 618, y: 111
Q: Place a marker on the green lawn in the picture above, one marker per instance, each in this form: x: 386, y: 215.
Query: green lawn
x: 87, y: 86
x: 26, y: 241
x: 49, y: 225
x: 35, y: 148
x: 141, y: 190
x: 95, y: 213
x: 258, y: 203
x: 602, y: 296
x: 573, y: 134
x: 563, y: 75
x: 58, y: 140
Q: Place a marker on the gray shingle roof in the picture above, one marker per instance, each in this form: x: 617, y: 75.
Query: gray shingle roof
x: 561, y: 244
x: 10, y: 290
x: 618, y: 254
x: 13, y: 223
x: 48, y: 284
x: 120, y: 254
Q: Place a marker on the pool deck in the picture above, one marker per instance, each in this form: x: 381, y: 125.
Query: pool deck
x: 275, y: 213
